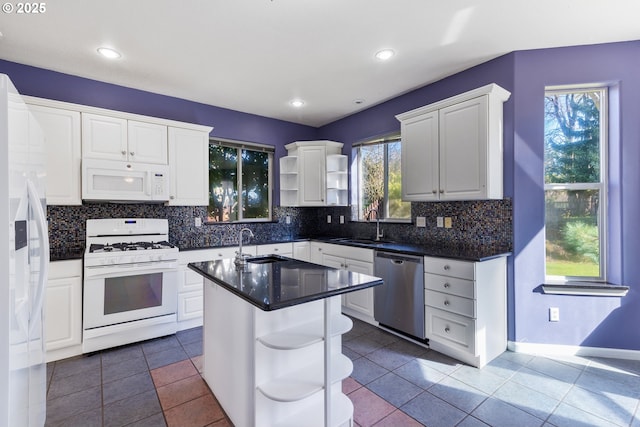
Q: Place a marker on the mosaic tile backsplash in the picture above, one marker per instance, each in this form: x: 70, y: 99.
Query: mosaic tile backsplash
x: 485, y: 222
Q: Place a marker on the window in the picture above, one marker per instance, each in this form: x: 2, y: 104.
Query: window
x: 239, y: 182
x: 378, y: 185
x: 575, y: 130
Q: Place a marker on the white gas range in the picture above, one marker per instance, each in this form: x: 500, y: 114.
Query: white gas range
x: 130, y: 282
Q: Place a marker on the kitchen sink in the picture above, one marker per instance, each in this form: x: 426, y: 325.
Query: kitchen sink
x: 366, y: 242
x: 266, y: 259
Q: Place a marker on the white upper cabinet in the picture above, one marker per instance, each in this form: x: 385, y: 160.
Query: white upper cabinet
x: 189, y: 163
x: 452, y: 150
x: 114, y: 138
x: 147, y: 142
x: 61, y: 130
x: 314, y: 173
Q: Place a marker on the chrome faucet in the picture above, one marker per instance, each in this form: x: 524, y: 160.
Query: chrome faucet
x: 379, y: 233
x: 241, y: 259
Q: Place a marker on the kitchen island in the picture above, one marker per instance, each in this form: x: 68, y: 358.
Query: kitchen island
x: 272, y: 346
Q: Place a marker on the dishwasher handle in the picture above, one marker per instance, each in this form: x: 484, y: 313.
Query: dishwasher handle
x: 399, y: 258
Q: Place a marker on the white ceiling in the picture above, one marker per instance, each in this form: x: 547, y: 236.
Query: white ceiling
x: 257, y: 55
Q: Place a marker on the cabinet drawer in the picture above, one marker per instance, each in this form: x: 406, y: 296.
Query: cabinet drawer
x: 451, y: 303
x: 449, y: 267
x: 285, y: 249
x: 450, y: 329
x: 450, y: 285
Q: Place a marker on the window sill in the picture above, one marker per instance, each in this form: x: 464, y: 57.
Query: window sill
x: 601, y: 289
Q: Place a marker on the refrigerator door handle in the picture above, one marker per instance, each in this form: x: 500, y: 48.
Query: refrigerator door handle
x: 43, y: 233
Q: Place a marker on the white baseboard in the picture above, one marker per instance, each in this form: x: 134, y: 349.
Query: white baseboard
x: 572, y: 350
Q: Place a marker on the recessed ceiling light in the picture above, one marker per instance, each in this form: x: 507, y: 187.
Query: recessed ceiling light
x: 385, y: 54
x: 297, y: 103
x: 109, y: 53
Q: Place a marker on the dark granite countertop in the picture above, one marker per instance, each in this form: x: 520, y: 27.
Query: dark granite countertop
x: 273, y: 282
x: 461, y: 252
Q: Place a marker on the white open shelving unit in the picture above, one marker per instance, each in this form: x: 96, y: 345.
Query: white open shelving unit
x: 277, y: 368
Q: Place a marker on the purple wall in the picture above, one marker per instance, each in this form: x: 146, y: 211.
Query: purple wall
x: 226, y: 123
x: 588, y: 321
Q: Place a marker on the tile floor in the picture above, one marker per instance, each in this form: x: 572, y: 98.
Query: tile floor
x: 394, y: 383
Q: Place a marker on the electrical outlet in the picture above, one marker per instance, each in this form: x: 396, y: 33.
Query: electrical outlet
x: 421, y: 221
x: 554, y: 314
x: 328, y: 219
x: 341, y: 219
x: 440, y: 222
x: 198, y: 221
x: 447, y: 222
x: 287, y: 219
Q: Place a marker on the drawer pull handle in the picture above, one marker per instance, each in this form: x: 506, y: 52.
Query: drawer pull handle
x: 446, y: 302
x: 447, y: 330
x: 447, y: 268
x: 447, y: 285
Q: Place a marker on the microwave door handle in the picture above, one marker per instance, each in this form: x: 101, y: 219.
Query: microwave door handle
x: 149, y: 183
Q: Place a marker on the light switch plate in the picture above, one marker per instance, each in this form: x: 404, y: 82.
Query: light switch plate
x: 447, y: 222
x: 341, y: 219
x: 421, y: 221
x: 440, y: 222
x: 198, y: 221
x: 287, y: 219
x: 328, y: 219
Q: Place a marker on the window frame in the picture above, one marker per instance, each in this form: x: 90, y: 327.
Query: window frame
x: 601, y: 186
x: 239, y: 146
x: 357, y: 179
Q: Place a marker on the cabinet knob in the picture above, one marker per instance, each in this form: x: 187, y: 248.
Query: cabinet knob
x: 172, y: 197
x: 447, y: 329
x: 434, y: 192
x: 123, y: 152
x: 441, y: 191
x: 132, y: 153
x: 128, y: 166
x: 447, y: 285
x: 275, y: 249
x: 447, y: 268
x: 446, y: 302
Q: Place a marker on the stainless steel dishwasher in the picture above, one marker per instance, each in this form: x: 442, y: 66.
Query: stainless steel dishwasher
x: 399, y: 302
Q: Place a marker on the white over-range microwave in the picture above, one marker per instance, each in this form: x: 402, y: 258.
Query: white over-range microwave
x: 116, y: 181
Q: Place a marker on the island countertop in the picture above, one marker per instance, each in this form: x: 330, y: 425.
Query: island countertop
x: 273, y: 282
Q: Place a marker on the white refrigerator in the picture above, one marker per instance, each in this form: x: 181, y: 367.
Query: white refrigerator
x: 24, y: 260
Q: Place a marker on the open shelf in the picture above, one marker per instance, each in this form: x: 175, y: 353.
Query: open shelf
x: 306, y: 334
x: 304, y: 382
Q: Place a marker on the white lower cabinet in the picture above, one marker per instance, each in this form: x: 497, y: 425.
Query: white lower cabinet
x: 358, y: 304
x: 302, y: 251
x: 466, y: 308
x: 63, y: 310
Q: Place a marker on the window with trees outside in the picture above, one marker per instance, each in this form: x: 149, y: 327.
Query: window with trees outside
x: 575, y: 130
x: 378, y: 185
x: 239, y: 182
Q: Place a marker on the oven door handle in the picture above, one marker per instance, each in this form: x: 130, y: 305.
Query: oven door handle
x: 104, y: 271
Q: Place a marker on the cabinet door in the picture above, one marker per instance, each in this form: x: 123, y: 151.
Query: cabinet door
x: 63, y: 305
x: 302, y: 251
x: 147, y: 142
x: 332, y: 261
x: 463, y: 150
x: 104, y: 137
x: 61, y: 130
x: 360, y: 301
x: 312, y: 175
x: 189, y: 164
x: 420, y: 170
